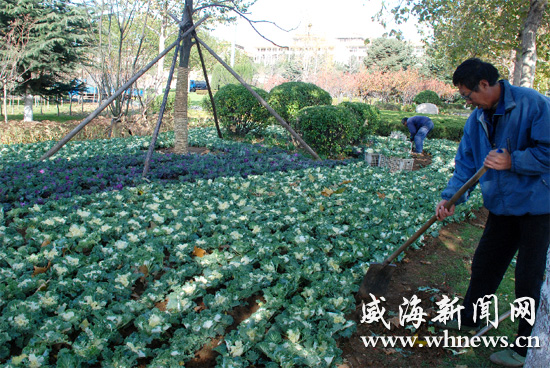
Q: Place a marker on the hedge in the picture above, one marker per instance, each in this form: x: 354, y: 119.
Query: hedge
x: 445, y: 126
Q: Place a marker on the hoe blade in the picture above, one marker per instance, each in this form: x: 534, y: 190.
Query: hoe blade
x: 376, y: 280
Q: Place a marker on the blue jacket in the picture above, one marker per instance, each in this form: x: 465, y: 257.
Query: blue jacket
x: 416, y: 122
x: 524, y: 130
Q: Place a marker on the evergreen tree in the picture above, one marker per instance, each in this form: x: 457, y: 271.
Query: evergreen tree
x: 56, y: 44
x: 390, y: 54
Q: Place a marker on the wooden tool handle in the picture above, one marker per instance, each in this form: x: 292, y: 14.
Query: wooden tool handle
x: 474, y: 179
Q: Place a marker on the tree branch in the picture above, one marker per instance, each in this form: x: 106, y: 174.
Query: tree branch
x: 250, y: 21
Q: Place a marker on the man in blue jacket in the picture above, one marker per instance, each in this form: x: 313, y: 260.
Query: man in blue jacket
x: 419, y: 127
x: 508, y: 132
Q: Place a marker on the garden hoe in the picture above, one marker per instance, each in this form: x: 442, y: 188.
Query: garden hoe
x: 378, y: 275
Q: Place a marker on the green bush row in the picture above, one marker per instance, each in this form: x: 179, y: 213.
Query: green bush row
x: 328, y: 129
x: 307, y: 108
x: 445, y: 126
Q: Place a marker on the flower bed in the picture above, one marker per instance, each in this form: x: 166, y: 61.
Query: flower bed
x: 95, y: 170
x: 147, y: 275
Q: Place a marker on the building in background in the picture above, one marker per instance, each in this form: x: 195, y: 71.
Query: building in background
x: 339, y: 50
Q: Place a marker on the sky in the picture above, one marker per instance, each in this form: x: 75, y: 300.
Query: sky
x: 328, y: 18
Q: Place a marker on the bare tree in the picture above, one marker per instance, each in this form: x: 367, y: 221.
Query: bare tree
x: 122, y: 41
x: 12, y: 50
x: 163, y: 28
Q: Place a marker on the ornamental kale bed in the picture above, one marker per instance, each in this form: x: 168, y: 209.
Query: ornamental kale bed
x: 148, y: 275
x: 33, y: 182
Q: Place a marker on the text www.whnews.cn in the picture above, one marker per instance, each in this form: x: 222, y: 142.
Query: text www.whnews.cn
x: 449, y: 341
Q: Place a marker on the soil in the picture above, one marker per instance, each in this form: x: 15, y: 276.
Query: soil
x: 421, y: 161
x: 196, y: 150
x: 412, y: 276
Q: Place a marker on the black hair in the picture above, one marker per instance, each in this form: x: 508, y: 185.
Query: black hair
x: 404, y: 120
x: 473, y: 71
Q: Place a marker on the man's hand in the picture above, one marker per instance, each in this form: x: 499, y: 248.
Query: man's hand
x: 498, y: 159
x: 441, y: 212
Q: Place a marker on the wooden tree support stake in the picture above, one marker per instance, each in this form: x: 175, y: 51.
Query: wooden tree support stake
x: 161, y: 111
x: 209, y: 88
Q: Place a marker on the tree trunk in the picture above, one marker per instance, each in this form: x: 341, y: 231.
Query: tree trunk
x: 528, y: 42
x: 27, y: 110
x: 181, y: 127
x: 540, y: 357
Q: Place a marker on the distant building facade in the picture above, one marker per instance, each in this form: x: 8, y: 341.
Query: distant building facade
x: 340, y: 50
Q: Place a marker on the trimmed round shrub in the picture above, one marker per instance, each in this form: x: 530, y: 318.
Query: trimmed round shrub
x: 327, y: 129
x: 239, y: 112
x: 290, y: 97
x: 368, y: 117
x: 427, y: 96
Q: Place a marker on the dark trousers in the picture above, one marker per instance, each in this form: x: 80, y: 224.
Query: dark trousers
x: 527, y: 235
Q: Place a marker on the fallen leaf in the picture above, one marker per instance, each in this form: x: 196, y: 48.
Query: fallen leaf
x: 327, y: 192
x: 46, y: 243
x: 18, y: 359
x: 161, y: 306
x: 144, y: 270
x: 198, y: 252
x: 345, y: 182
x: 381, y: 195
x: 426, y: 262
x: 39, y: 270
x: 84, y: 325
x: 420, y: 343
